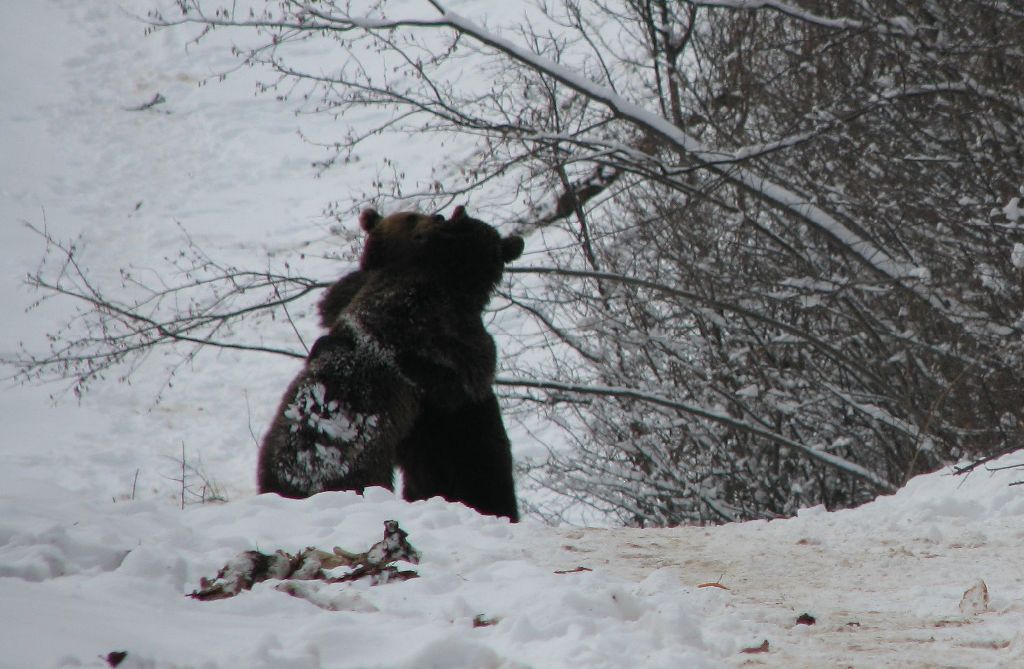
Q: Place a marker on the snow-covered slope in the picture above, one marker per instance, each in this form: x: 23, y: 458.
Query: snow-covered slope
x: 215, y: 163
x: 884, y: 582
x: 81, y: 578
x: 96, y: 556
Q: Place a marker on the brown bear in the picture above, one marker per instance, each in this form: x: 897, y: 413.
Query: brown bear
x: 458, y: 448
x: 411, y: 318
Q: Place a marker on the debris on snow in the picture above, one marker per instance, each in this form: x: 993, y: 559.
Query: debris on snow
x: 975, y: 599
x: 713, y: 584
x: 763, y: 648
x: 251, y: 567
x: 480, y: 620
x: 806, y: 619
x: 157, y: 99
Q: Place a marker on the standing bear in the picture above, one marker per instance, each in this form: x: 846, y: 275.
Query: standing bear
x: 404, y: 375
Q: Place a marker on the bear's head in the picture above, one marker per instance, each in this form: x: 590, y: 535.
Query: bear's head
x: 464, y: 252
x: 395, y: 238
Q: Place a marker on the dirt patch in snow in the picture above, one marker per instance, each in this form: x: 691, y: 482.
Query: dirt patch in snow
x: 888, y: 600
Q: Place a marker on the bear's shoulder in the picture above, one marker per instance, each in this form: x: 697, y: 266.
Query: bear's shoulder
x: 338, y: 296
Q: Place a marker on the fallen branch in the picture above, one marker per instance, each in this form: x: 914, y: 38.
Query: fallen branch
x: 157, y: 99
x: 716, y: 584
x: 763, y: 648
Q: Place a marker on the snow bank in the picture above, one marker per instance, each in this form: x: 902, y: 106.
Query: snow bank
x: 939, y: 508
x: 985, y: 493
x: 80, y: 579
x: 85, y: 579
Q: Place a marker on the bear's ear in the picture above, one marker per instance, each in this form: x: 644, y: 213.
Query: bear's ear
x: 459, y: 214
x: 511, y: 247
x: 369, y: 219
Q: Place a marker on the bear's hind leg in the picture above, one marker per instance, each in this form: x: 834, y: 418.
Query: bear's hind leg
x: 462, y: 455
x: 339, y: 422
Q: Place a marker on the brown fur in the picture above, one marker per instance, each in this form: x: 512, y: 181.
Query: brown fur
x: 419, y: 295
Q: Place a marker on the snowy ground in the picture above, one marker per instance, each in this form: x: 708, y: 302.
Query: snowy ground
x: 96, y: 556
x: 81, y: 578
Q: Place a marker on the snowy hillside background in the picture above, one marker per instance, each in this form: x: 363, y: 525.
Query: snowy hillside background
x: 96, y: 556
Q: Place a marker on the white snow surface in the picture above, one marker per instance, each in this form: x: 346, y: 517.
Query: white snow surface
x: 96, y: 556
x: 81, y: 577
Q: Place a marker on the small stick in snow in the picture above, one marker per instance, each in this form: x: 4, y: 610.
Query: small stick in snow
x: 157, y: 100
x: 763, y: 648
